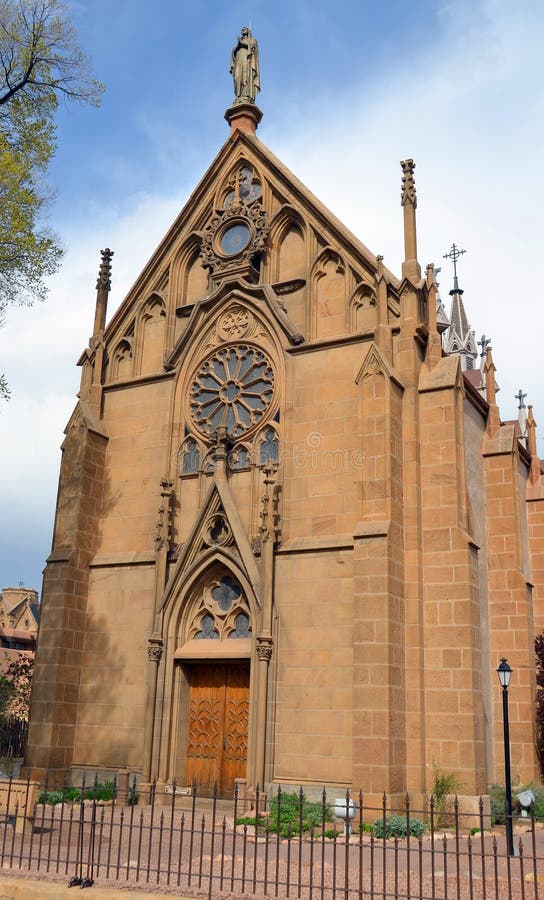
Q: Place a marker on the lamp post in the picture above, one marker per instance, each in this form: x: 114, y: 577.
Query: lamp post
x: 504, y: 672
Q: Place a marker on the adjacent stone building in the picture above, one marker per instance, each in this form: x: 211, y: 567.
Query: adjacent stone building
x: 19, y: 622
x: 293, y: 540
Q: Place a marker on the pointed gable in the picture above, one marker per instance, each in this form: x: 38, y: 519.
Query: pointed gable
x: 314, y: 265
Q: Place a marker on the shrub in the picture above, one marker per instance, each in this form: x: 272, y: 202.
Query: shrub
x: 497, y: 795
x: 69, y: 794
x: 538, y: 804
x: 285, y: 814
x: 397, y: 826
x: 51, y: 797
x: 497, y: 799
x: 250, y: 820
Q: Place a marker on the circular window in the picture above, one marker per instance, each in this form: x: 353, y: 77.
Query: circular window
x: 232, y: 390
x: 234, y: 238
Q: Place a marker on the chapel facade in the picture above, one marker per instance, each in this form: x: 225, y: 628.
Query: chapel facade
x: 293, y: 540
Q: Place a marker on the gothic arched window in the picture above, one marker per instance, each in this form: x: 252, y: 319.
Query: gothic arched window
x: 222, y: 611
x: 269, y: 449
x: 190, y: 458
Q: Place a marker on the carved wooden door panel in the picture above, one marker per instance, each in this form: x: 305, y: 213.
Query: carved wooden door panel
x: 218, y: 724
x: 235, y: 724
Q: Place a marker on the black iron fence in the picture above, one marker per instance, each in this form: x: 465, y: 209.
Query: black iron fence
x: 277, y: 846
x: 13, y: 737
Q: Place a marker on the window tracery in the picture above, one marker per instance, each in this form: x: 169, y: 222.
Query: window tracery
x: 222, y: 612
x: 232, y: 389
x: 269, y: 448
x: 190, y: 457
x: 244, y: 186
x: 239, y: 459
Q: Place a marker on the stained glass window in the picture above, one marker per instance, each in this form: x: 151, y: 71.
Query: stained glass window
x: 227, y: 592
x: 249, y: 188
x: 239, y: 459
x: 269, y: 450
x: 191, y: 458
x: 222, y: 611
x: 232, y: 389
x: 242, y: 629
x: 207, y: 629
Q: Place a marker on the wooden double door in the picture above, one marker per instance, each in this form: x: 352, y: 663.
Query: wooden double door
x: 217, y: 726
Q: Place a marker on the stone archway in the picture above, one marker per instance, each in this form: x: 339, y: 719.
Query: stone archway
x: 209, y: 711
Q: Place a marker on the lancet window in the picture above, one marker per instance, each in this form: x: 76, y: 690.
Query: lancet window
x: 190, y: 457
x: 239, y: 459
x: 269, y: 448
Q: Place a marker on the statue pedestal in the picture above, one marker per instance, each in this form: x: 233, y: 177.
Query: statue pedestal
x: 244, y: 116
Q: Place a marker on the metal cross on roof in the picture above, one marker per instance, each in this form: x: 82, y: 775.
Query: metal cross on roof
x: 520, y: 396
x: 454, y: 255
x: 484, y: 343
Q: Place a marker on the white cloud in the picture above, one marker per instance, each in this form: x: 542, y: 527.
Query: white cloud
x: 39, y: 348
x: 470, y: 113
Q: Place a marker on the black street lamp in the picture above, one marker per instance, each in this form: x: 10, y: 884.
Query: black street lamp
x: 504, y: 672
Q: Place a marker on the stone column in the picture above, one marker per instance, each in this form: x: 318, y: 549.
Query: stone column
x: 154, y: 655
x: 264, y: 655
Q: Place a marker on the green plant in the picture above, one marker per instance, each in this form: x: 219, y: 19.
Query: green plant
x: 330, y: 833
x: 51, y: 797
x: 538, y: 803
x: 99, y: 791
x: 497, y: 799
x: 291, y: 813
x: 397, y: 826
x: 250, y: 820
x: 445, y: 784
x: 365, y: 827
x: 69, y: 794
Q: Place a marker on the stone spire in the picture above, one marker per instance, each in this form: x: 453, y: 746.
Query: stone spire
x: 493, y: 419
x: 103, y: 287
x: 534, y: 473
x: 459, y: 338
x: 522, y: 412
x: 408, y: 200
x: 442, y: 321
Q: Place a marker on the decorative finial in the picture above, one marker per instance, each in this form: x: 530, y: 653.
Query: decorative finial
x: 454, y: 255
x: 104, y: 275
x: 408, y: 191
x: 244, y: 67
x: 520, y: 397
x: 484, y: 343
x: 103, y: 286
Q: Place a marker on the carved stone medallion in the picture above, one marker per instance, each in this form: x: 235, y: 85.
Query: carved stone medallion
x: 234, y: 324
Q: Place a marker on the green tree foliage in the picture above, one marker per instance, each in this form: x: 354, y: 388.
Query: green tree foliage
x: 19, y: 677
x: 40, y: 63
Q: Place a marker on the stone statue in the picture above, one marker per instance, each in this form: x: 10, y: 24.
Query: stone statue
x: 244, y: 67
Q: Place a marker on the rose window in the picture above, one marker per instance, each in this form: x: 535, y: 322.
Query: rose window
x: 232, y: 389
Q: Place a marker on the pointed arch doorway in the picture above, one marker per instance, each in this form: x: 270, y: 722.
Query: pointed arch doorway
x: 217, y: 727
x: 213, y: 683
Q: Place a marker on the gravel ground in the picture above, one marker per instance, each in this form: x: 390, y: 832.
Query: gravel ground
x: 125, y: 846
